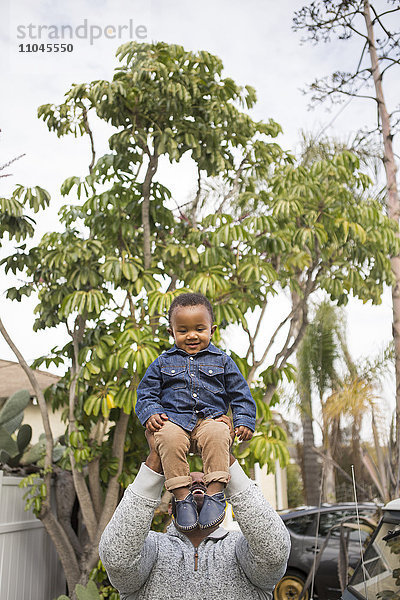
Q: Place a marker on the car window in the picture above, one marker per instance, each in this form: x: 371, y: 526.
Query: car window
x: 329, y: 519
x: 354, y: 536
x: 300, y: 525
x: 377, y: 576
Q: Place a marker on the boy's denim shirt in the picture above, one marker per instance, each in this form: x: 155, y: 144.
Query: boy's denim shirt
x: 188, y: 386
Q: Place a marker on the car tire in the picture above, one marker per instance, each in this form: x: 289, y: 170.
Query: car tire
x: 290, y: 586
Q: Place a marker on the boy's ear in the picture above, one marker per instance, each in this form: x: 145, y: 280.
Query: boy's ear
x: 213, y: 328
x: 171, y: 333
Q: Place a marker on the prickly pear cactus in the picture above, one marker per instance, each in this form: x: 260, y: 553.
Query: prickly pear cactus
x: 90, y: 592
x: 11, y: 416
x: 14, y: 408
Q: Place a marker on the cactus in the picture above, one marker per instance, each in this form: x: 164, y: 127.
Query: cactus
x: 90, y: 592
x: 24, y: 437
x: 34, y: 453
x: 14, y: 447
x: 14, y: 408
x: 11, y: 416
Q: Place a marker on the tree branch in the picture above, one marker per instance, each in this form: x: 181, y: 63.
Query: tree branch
x: 90, y: 133
x: 94, y: 486
x: 65, y: 499
x: 146, y: 190
x: 81, y: 488
x: 48, y: 461
x: 10, y: 162
x: 378, y: 20
x: 111, y: 499
x: 235, y: 185
x: 65, y: 549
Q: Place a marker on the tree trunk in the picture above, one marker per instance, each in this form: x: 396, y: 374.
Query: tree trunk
x: 393, y: 206
x: 311, y: 470
x: 329, y: 479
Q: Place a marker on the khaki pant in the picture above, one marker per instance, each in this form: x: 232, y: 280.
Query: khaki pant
x: 210, y: 438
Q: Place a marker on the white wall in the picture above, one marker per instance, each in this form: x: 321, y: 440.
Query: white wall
x: 274, y: 486
x: 29, y: 567
x: 33, y: 417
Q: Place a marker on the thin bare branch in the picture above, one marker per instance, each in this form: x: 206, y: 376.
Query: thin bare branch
x: 10, y: 162
x: 378, y: 20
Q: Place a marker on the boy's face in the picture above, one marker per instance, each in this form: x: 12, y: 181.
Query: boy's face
x: 191, y: 328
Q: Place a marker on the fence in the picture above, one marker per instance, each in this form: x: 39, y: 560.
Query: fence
x: 29, y: 567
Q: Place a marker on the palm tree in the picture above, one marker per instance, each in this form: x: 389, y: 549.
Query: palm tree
x: 351, y: 396
x: 357, y: 399
x: 310, y: 466
x: 316, y: 369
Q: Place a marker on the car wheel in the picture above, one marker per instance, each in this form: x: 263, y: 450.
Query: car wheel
x: 290, y: 587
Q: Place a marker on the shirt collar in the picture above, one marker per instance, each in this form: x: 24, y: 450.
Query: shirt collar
x: 210, y: 348
x: 218, y: 534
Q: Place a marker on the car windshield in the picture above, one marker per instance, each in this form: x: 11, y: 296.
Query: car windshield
x: 381, y: 566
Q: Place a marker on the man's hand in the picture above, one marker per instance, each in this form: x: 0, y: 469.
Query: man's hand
x: 228, y: 421
x: 150, y: 440
x: 225, y: 419
x: 243, y: 433
x: 155, y: 422
x: 153, y: 460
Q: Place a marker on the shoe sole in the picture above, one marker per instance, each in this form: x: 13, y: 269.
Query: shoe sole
x: 185, y: 528
x: 213, y: 523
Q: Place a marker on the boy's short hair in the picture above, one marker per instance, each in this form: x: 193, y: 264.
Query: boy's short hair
x: 190, y: 299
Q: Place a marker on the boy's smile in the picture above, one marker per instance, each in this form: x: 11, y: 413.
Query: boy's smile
x: 191, y: 328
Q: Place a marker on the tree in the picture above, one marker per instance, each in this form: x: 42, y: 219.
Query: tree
x: 101, y: 276
x: 347, y: 393
x: 316, y: 360
x: 123, y: 255
x: 356, y: 399
x: 13, y: 219
x: 368, y: 21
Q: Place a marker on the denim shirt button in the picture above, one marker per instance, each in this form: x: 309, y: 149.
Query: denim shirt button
x: 191, y: 357
x: 210, y: 371
x: 194, y: 395
x: 173, y: 371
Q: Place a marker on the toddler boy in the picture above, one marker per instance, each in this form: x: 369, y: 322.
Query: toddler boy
x: 180, y: 398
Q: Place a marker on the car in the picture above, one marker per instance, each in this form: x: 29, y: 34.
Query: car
x: 378, y: 573
x: 306, y: 546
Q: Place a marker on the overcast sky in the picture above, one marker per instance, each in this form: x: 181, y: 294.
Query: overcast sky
x: 257, y: 46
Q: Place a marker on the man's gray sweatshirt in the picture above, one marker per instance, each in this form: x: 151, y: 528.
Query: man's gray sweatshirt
x: 234, y: 565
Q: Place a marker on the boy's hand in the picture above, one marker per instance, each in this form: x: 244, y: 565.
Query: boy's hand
x: 155, y: 422
x: 243, y: 433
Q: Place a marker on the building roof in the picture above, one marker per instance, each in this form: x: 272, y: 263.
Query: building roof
x: 13, y: 379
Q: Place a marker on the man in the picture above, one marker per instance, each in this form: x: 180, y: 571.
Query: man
x: 200, y: 564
